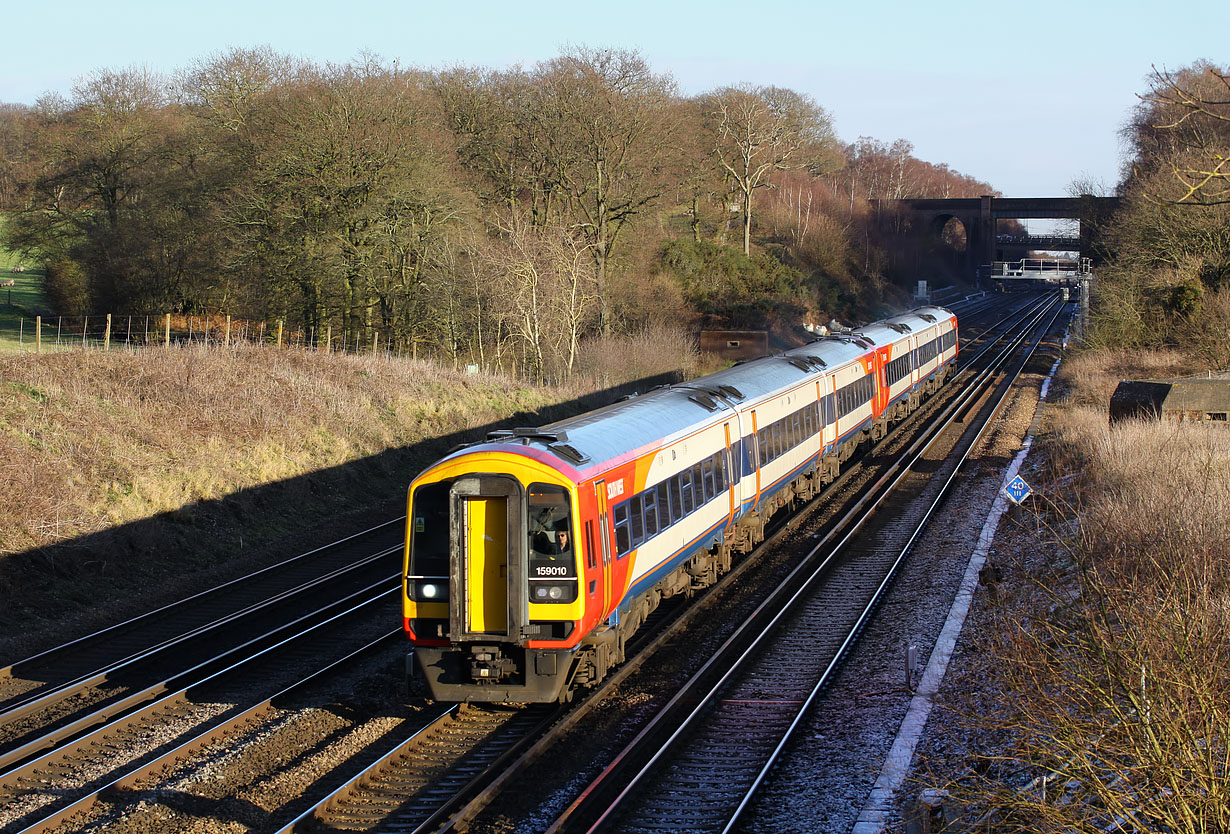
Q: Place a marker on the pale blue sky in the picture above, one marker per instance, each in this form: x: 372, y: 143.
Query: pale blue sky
x: 1027, y: 96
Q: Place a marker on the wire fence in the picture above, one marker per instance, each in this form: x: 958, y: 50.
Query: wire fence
x: 107, y: 332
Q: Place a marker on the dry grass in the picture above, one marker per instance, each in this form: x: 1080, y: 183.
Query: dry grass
x: 93, y: 439
x: 1090, y: 377
x: 1116, y: 654
x: 656, y: 350
x: 128, y: 478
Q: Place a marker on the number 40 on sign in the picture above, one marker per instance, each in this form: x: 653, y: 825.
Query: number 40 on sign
x: 1017, y: 490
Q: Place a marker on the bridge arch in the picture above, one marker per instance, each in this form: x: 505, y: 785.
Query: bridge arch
x: 978, y: 216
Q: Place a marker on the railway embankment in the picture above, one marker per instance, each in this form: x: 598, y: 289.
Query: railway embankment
x: 1090, y: 690
x: 129, y: 478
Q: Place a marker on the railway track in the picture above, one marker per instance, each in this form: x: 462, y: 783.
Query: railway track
x: 58, y: 694
x: 62, y: 781
x: 700, y: 762
x: 490, y: 771
x: 441, y: 768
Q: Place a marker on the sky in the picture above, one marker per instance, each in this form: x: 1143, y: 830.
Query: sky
x: 1025, y: 96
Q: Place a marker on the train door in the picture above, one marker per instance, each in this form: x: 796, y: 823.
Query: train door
x: 485, y: 520
x: 753, y: 452
x: 732, y: 478
x: 487, y: 567
x: 604, y: 547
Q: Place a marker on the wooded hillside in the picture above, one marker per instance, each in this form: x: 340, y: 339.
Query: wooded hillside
x: 488, y: 216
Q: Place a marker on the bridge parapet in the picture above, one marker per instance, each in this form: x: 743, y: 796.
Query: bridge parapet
x: 1045, y: 269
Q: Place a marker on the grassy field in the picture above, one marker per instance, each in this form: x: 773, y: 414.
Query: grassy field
x: 23, y: 300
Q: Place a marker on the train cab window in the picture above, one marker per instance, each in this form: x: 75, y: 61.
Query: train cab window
x: 429, y: 536
x: 552, y: 540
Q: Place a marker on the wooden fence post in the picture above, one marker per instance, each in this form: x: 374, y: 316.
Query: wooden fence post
x: 168, y: 327
x: 279, y: 332
x: 38, y: 334
x: 375, y: 342
x: 107, y: 334
x: 226, y: 342
x: 85, y: 325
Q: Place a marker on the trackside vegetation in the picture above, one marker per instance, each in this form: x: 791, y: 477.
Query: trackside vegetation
x: 126, y: 474
x: 1097, y: 700
x: 490, y: 217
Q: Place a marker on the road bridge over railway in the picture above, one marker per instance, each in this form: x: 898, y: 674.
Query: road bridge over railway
x: 980, y: 216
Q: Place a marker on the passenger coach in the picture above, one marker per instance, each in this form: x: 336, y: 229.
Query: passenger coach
x: 532, y: 557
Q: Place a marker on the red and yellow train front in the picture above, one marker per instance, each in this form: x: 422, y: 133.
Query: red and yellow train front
x: 496, y: 584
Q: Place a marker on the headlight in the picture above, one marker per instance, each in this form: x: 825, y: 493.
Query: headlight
x: 548, y: 592
x: 428, y: 590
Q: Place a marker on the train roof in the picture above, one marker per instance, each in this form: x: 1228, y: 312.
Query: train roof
x: 893, y: 328
x: 662, y: 415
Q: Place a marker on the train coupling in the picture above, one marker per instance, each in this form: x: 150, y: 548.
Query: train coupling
x: 488, y: 663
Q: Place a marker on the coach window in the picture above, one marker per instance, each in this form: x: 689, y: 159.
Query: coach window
x: 651, y: 513
x: 698, y: 485
x: 707, y: 478
x: 623, y: 538
x: 636, y: 520
x: 685, y: 488
x: 719, y: 472
x: 664, y: 510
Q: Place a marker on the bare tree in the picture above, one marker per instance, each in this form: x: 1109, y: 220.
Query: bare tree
x: 599, y: 119
x: 759, y: 130
x: 1185, y: 119
x: 544, y: 278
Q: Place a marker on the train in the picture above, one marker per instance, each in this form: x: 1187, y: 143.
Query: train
x: 533, y: 556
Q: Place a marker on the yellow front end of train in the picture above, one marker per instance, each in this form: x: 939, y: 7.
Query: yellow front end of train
x: 492, y: 596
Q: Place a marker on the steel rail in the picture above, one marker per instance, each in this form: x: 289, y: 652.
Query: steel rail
x: 43, y: 699
x: 214, y: 734
x: 108, y: 632
x: 153, y: 695
x: 880, y: 591
x: 456, y: 811
x: 780, y: 602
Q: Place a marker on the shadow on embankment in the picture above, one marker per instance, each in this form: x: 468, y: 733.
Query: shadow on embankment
x: 53, y: 593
